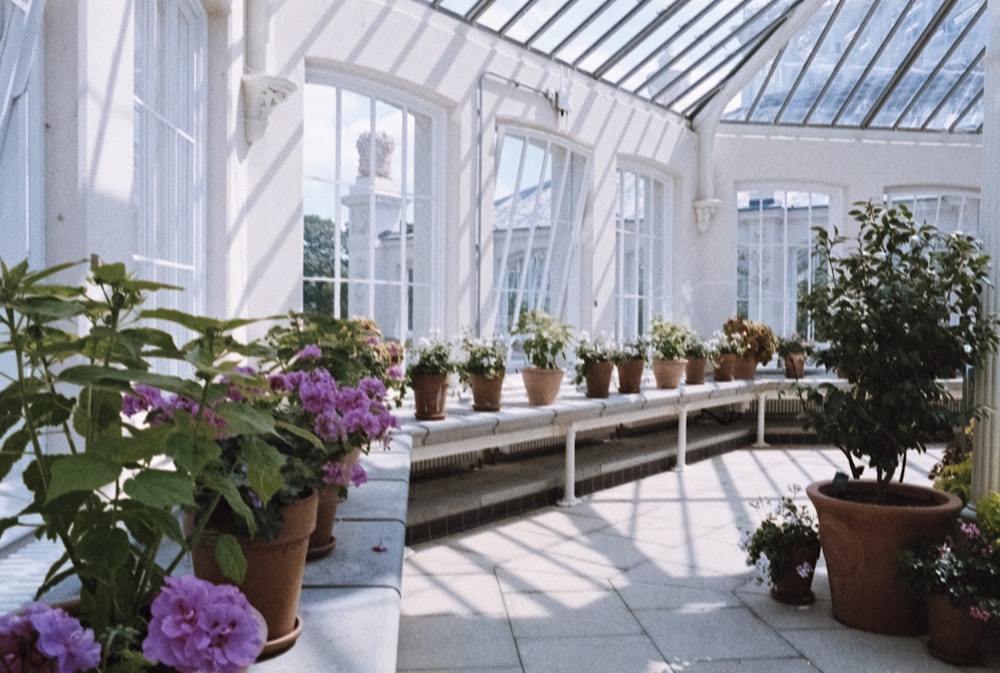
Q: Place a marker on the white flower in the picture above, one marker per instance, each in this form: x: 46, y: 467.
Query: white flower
x: 423, y: 342
x: 804, y: 569
x: 763, y: 568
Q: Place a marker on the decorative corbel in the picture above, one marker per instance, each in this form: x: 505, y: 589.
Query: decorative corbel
x: 704, y: 212
x: 260, y: 94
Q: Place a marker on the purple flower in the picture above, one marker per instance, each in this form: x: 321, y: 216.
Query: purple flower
x: 358, y: 475
x: 335, y: 472
x: 142, y: 398
x: 979, y: 614
x: 39, y: 635
x: 310, y: 352
x: 318, y: 391
x: 395, y: 372
x: 200, y: 627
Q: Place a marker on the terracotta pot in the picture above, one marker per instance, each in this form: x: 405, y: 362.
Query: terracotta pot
x: 744, y: 369
x: 486, y: 392
x: 599, y: 379
x: 792, y: 587
x: 724, y: 367
x: 542, y: 385
x: 955, y: 636
x: 322, y: 542
x: 273, y: 581
x: 694, y: 374
x: 430, y: 392
x: 861, y: 544
x: 795, y: 365
x: 630, y: 376
x: 668, y: 373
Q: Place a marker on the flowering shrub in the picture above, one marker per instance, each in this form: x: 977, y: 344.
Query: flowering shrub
x: 486, y: 356
x: 591, y: 351
x: 757, y: 340
x: 200, y: 627
x: 694, y: 346
x: 543, y: 337
x: 430, y: 355
x: 636, y: 348
x: 965, y: 568
x: 724, y: 344
x: 667, y: 340
x: 785, y: 526
x: 42, y: 638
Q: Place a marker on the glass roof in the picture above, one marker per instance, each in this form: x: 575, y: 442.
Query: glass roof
x: 887, y: 64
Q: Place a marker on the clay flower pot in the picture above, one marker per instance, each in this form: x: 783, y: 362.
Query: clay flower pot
x: 955, y: 636
x: 694, y: 374
x: 486, y: 392
x: 630, y: 376
x: 795, y: 588
x: 668, y: 373
x: 542, y: 385
x: 598, y: 379
x: 744, y: 368
x: 430, y: 393
x: 724, y: 367
x: 795, y: 365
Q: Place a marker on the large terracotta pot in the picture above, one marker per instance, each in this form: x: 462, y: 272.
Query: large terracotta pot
x: 430, y: 393
x: 955, y: 636
x: 694, y: 374
x: 724, y: 367
x: 744, y: 368
x: 542, y: 385
x: 273, y: 581
x: 861, y: 544
x: 795, y: 365
x: 630, y: 376
x: 599, y: 379
x: 486, y: 392
x: 668, y: 373
x: 793, y: 587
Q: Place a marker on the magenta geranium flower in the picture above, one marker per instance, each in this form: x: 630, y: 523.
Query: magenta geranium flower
x: 200, y: 627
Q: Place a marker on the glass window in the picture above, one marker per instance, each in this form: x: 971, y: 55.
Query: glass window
x: 169, y: 107
x: 642, y: 269
x: 371, y: 246
x: 947, y: 211
x: 538, y: 210
x: 775, y: 268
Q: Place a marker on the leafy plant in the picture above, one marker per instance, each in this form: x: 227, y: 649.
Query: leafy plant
x: 544, y: 338
x: 785, y: 526
x: 590, y: 351
x: 756, y: 340
x: 794, y: 345
x: 901, y: 309
x: 430, y: 355
x: 724, y: 344
x: 486, y: 356
x: 694, y: 346
x: 667, y: 340
x: 636, y: 348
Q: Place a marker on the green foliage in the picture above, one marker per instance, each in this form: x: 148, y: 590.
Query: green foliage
x: 430, y: 355
x: 485, y: 356
x: 901, y: 309
x: 667, y: 340
x: 794, y: 345
x: 784, y: 526
x: 319, y: 260
x: 636, y: 348
x: 545, y: 338
x: 988, y: 516
x: 694, y: 346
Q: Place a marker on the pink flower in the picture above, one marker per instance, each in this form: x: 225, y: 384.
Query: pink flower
x: 979, y: 614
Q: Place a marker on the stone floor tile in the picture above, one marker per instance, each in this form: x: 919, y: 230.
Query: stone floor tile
x: 665, y: 596
x: 452, y: 595
x: 530, y: 581
x: 594, y: 654
x: 844, y: 650
x: 583, y: 613
x: 454, y: 643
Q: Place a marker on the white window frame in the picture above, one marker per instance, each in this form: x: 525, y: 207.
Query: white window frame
x: 911, y: 195
x: 431, y: 268
x: 651, y: 240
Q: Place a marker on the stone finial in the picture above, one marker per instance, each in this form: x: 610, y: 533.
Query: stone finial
x: 384, y: 145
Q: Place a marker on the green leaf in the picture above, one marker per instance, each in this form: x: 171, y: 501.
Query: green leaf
x: 264, y: 464
x: 191, y: 454
x: 98, y: 413
x: 80, y: 472
x: 242, y: 419
x: 160, y: 488
x: 13, y: 449
x: 103, y: 549
x: 229, y: 556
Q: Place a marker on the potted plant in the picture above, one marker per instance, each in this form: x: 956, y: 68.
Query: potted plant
x: 900, y: 308
x: 630, y: 360
x: 667, y: 341
x: 429, y: 364
x: 960, y: 580
x: 483, y: 369
x: 793, y: 352
x: 594, y: 364
x: 696, y: 353
x: 99, y: 482
x: 544, y: 339
x: 783, y: 548
x: 723, y: 349
x: 757, y: 344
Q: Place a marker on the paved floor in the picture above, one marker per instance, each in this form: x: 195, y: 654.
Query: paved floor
x: 644, y: 577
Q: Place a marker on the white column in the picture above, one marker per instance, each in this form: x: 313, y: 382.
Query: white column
x: 569, y: 489
x: 682, y: 439
x: 986, y: 451
x: 761, y: 414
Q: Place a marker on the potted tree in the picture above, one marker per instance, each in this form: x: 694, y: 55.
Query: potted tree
x: 630, y: 360
x: 594, y: 364
x: 544, y: 339
x: 667, y: 342
x: 900, y: 309
x: 483, y: 369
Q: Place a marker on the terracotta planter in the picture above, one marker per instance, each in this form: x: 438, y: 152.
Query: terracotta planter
x: 273, y: 581
x: 724, y: 367
x: 630, y: 376
x: 955, y: 636
x: 793, y: 588
x: 486, y: 392
x: 694, y: 374
x: 795, y: 365
x: 744, y: 369
x: 322, y: 541
x: 668, y: 373
x: 542, y: 385
x: 599, y: 379
x: 861, y: 544
x: 430, y: 392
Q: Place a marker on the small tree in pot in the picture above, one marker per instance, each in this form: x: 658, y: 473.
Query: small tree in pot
x: 899, y: 306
